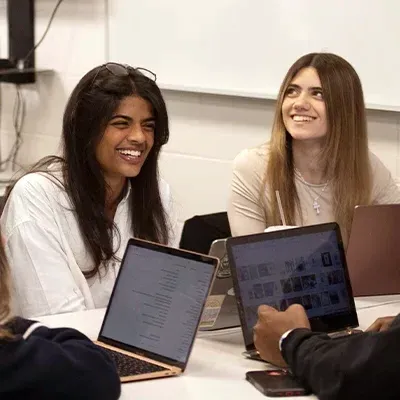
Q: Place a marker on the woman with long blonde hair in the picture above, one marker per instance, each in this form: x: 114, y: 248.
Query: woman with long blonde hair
x: 41, y: 363
x: 318, y: 157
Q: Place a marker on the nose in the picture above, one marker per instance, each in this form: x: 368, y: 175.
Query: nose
x: 301, y: 102
x: 136, y: 134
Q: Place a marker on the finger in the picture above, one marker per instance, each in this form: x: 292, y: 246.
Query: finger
x: 263, y: 309
x: 296, y: 312
x: 296, y: 309
x: 385, y: 326
x: 255, y: 328
x: 375, y: 327
x: 387, y: 323
x: 256, y: 336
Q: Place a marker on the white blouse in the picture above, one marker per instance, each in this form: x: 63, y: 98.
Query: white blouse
x: 46, y: 251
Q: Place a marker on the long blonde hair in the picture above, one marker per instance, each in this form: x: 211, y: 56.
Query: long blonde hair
x: 5, y: 296
x: 345, y: 154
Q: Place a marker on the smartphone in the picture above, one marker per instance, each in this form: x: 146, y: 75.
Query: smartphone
x: 276, y: 383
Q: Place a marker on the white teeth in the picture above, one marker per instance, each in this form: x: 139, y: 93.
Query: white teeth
x: 302, y: 118
x: 133, y: 153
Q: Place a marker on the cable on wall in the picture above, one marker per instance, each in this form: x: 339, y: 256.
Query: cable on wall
x: 53, y: 14
x: 19, y: 111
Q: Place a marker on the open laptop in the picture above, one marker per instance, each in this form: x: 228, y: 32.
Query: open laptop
x: 304, y: 265
x: 373, y: 251
x: 221, y: 311
x: 155, y: 309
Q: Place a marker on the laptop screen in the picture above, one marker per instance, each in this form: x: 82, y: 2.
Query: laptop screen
x: 304, y: 265
x: 158, y: 300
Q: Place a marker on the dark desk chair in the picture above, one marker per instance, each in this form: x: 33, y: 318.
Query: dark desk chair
x: 4, y: 198
x: 201, y: 230
x: 2, y: 203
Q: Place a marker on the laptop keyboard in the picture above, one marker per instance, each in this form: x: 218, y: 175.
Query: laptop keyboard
x: 127, y: 366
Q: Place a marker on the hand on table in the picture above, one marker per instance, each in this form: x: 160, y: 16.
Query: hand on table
x: 271, y: 325
x: 381, y: 324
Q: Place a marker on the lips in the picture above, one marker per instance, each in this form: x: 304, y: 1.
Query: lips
x: 131, y: 156
x: 130, y: 152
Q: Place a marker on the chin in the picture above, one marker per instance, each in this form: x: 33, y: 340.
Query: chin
x: 296, y: 135
x: 131, y: 172
x: 132, y: 175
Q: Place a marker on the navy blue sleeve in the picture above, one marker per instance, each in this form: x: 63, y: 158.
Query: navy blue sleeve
x: 56, y: 364
x: 364, y: 366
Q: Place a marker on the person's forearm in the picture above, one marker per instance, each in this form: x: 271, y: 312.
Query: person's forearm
x: 57, y: 363
x: 362, y: 366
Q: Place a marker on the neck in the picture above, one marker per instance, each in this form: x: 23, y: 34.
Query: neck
x: 114, y: 189
x: 306, y: 158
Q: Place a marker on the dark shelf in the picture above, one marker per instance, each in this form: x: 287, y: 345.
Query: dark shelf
x: 21, y: 76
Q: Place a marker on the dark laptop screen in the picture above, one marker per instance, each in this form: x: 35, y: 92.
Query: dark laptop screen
x: 305, y: 266
x: 157, y: 302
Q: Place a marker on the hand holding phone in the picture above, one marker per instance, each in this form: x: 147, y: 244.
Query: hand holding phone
x: 276, y: 383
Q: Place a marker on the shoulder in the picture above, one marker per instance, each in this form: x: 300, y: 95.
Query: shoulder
x: 376, y: 164
x: 374, y: 160
x: 165, y: 190
x: 251, y: 159
x: 33, y: 197
x: 249, y: 167
x: 165, y: 193
x: 379, y: 172
x: 33, y: 190
x: 384, y: 187
x: 20, y: 327
x: 37, y: 182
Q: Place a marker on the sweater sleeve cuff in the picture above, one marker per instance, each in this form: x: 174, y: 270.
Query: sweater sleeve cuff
x: 18, y: 325
x: 293, y: 339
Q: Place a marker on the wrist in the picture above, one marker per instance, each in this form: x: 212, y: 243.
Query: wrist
x: 293, y: 340
x: 283, y: 337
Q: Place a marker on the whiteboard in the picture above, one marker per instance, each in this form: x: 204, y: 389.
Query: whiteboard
x: 245, y: 47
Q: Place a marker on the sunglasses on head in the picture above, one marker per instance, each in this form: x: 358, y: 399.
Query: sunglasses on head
x: 123, y: 70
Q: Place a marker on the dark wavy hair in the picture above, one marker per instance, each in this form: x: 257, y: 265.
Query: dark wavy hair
x: 88, y: 111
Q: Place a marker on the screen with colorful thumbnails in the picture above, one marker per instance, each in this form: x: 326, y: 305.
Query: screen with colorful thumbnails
x: 304, y: 265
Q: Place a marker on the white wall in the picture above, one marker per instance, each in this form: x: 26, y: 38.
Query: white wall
x: 206, y: 131
x: 74, y: 44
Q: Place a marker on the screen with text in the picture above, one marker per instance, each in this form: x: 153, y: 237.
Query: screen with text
x: 305, y: 269
x: 158, y: 302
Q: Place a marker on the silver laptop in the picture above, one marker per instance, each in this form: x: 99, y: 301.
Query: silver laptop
x: 221, y: 309
x: 155, y: 309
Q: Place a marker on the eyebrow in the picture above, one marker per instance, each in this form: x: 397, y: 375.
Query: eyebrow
x: 130, y: 119
x: 293, y: 85
x: 126, y: 117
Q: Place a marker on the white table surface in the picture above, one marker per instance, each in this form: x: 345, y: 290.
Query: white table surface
x: 216, y: 368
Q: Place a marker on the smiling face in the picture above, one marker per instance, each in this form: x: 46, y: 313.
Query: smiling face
x: 127, y: 140
x: 303, y: 107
